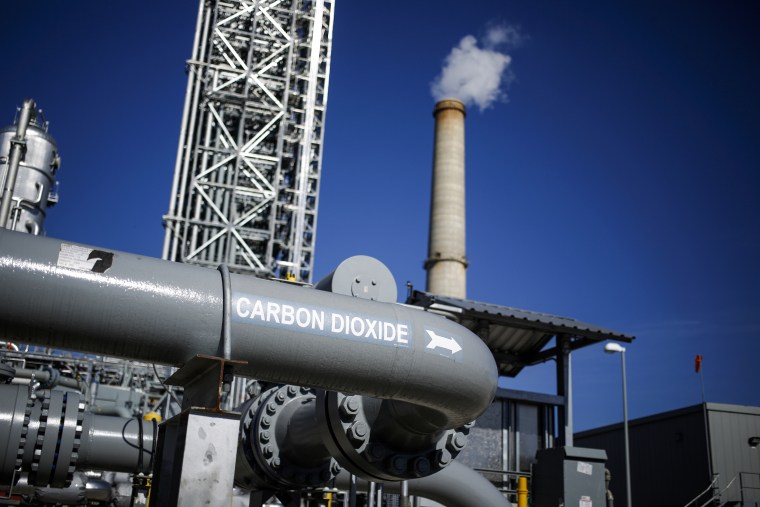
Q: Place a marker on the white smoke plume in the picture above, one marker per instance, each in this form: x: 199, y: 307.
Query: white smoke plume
x: 476, y: 74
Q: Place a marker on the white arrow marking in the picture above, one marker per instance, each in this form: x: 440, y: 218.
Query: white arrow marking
x: 436, y: 340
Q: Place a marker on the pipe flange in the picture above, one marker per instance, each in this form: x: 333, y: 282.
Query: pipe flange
x: 53, y: 376
x: 31, y: 430
x: 248, y: 474
x: 65, y: 455
x: 47, y: 438
x: 77, y: 437
x: 269, y: 433
x: 366, y: 443
x: 13, y: 409
x: 24, y: 431
x: 43, y: 397
x: 50, y: 447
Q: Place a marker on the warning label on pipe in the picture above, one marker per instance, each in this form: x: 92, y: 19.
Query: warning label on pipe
x: 84, y: 259
x: 322, y: 321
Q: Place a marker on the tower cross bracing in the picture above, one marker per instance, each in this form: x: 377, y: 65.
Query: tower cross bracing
x: 246, y: 182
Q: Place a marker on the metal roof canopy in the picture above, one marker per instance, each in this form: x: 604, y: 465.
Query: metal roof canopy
x: 516, y: 337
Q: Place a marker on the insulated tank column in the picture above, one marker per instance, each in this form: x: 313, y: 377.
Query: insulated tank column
x: 28, y: 164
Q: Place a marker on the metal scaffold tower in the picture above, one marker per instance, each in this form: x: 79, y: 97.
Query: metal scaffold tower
x: 246, y: 180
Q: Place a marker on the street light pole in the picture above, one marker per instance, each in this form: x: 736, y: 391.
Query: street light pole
x: 612, y: 348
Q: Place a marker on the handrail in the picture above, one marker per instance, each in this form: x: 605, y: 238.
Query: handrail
x: 719, y: 493
x: 712, y: 484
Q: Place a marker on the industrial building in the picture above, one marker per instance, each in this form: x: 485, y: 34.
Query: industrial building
x: 697, y: 455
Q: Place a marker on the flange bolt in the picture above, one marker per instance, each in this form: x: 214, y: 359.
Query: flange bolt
x: 443, y: 458
x: 456, y: 442
x: 350, y: 406
x: 421, y: 467
x: 377, y: 452
x: 358, y: 432
x: 398, y: 464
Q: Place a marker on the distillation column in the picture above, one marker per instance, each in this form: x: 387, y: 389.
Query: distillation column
x: 28, y: 164
x: 446, y: 263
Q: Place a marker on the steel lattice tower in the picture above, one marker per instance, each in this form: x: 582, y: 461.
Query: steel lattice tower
x: 246, y: 181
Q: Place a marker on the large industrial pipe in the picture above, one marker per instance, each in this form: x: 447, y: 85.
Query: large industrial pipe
x: 64, y: 295
x: 455, y: 486
x: 446, y: 263
x: 15, y: 157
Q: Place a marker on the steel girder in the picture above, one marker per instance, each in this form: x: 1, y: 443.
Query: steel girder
x: 246, y: 181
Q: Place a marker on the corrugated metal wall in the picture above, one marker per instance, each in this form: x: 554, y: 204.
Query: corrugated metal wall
x: 669, y: 465
x: 731, y: 428
x: 669, y: 460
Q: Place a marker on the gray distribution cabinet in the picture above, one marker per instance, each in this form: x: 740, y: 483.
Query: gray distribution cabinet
x: 569, y: 477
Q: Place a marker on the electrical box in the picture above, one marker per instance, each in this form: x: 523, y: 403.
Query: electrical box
x: 569, y: 477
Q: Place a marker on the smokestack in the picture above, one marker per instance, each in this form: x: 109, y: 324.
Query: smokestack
x: 446, y: 263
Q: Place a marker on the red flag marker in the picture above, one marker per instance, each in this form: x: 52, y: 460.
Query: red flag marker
x: 698, y: 363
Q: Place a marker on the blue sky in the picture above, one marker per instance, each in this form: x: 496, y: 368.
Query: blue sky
x: 617, y: 185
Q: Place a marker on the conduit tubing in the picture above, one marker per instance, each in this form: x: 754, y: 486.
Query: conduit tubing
x: 45, y: 376
x: 151, y: 310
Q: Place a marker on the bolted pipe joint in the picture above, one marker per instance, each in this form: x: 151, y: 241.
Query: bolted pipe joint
x: 50, y: 436
x: 370, y: 438
x: 280, y: 447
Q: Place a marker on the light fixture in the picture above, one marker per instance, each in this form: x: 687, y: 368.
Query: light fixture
x: 613, y: 348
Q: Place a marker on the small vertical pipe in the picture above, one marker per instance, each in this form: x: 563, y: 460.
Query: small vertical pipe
x: 352, y: 492
x: 405, y: 500
x: 446, y: 263
x: 18, y: 147
x: 522, y: 492
x: 371, y: 494
x: 625, y: 428
x: 564, y: 387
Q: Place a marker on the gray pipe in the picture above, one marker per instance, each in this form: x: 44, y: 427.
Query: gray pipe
x: 45, y: 376
x: 81, y: 489
x: 457, y: 485
x: 14, y: 159
x: 114, y: 444
x: 136, y: 307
